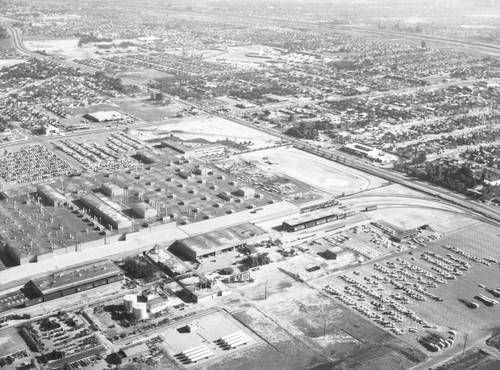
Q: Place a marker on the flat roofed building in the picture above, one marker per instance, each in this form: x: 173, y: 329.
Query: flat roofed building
x: 75, y: 277
x: 337, y: 253
x: 112, y: 190
x: 203, y: 150
x: 113, y: 217
x: 144, y: 210
x: 51, y: 195
x: 218, y: 241
x: 316, y: 218
x: 246, y: 192
x: 105, y: 116
x: 157, y: 305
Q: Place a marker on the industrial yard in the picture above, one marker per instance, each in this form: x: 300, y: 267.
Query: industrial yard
x: 203, y: 186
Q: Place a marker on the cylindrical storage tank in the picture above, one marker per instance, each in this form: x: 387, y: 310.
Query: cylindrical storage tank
x: 128, y: 302
x: 140, y: 310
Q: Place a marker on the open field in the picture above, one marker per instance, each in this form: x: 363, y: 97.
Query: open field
x: 211, y: 129
x: 246, y: 57
x: 407, y: 209
x: 143, y: 75
x: 66, y: 48
x: 317, y: 172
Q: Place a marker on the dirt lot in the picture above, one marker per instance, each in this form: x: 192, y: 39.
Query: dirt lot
x: 322, y: 174
x: 309, y: 330
x: 212, y: 129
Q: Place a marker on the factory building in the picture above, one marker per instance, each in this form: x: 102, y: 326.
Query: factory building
x: 245, y: 192
x: 218, y: 241
x: 315, y: 219
x: 105, y: 116
x: 144, y: 210
x: 112, y: 190
x: 206, y: 150
x: 51, y: 195
x: 113, y: 217
x: 67, y: 282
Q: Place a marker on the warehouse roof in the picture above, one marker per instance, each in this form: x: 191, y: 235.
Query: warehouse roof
x: 75, y: 276
x: 316, y: 215
x: 48, y: 191
x: 104, y: 116
x: 109, y: 213
x: 222, y: 238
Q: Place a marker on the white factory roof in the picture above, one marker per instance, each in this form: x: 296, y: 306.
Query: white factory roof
x: 105, y: 209
x: 109, y: 115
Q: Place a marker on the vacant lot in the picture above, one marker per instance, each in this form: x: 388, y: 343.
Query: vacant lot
x: 317, y: 172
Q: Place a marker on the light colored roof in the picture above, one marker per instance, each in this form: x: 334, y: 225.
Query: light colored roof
x: 106, y: 211
x: 51, y: 193
x: 221, y: 238
x: 109, y: 115
x: 76, y: 276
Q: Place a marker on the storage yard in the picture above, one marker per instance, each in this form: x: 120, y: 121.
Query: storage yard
x: 322, y: 174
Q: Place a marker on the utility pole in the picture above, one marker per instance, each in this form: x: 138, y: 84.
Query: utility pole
x: 265, y: 291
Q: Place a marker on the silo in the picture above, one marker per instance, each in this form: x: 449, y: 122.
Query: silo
x: 140, y: 310
x: 128, y: 302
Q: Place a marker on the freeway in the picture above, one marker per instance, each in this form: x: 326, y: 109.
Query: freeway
x: 476, y: 45
x: 359, y: 164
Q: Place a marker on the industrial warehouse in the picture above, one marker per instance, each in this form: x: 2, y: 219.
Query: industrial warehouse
x: 317, y: 218
x: 75, y: 280
x: 218, y: 241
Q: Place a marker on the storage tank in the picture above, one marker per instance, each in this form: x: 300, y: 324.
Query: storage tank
x: 140, y: 310
x: 128, y: 302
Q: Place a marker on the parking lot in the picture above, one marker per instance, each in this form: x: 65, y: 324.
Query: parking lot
x: 449, y: 284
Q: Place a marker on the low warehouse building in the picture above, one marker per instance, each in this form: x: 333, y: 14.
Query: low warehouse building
x: 105, y: 116
x: 316, y: 218
x: 218, y: 241
x: 75, y: 280
x: 337, y: 253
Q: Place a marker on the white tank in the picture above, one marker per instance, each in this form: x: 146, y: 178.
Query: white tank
x: 140, y: 310
x: 128, y: 302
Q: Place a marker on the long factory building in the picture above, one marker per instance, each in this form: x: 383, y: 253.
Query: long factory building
x: 74, y: 280
x: 317, y: 218
x: 218, y: 241
x: 113, y: 217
